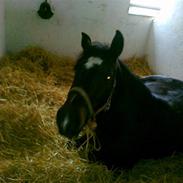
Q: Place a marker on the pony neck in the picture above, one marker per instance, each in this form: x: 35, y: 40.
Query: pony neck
x: 129, y: 85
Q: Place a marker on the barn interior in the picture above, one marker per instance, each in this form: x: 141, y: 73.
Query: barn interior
x: 38, y: 53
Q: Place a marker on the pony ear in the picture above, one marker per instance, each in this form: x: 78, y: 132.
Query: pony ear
x: 85, y: 41
x: 117, y: 44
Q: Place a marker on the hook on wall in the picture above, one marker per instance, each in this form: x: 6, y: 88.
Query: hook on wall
x: 45, y: 11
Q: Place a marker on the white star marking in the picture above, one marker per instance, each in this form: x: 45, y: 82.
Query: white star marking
x: 92, y: 61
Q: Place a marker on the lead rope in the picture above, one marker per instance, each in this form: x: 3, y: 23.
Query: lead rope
x: 90, y: 134
x: 92, y: 122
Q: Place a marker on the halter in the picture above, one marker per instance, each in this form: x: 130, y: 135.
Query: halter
x: 86, y: 98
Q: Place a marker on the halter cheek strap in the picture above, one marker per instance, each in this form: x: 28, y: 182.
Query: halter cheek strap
x: 86, y: 98
x: 107, y: 105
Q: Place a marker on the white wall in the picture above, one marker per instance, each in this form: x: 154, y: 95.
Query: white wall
x: 62, y: 33
x: 165, y: 46
x: 2, y: 29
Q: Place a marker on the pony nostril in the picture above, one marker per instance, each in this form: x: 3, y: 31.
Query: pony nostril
x: 61, y: 120
x: 65, y: 123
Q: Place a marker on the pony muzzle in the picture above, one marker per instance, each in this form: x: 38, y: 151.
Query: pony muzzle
x: 72, y: 116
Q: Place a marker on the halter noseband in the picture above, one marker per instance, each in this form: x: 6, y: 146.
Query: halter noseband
x: 85, y: 96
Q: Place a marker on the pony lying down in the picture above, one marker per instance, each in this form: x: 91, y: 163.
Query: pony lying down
x: 136, y: 118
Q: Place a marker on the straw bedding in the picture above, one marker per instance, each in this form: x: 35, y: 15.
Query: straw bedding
x: 33, y: 85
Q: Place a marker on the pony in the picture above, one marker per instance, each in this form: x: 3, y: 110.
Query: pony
x: 136, y: 118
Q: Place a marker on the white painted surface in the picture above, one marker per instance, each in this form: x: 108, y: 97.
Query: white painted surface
x: 2, y: 29
x: 62, y: 33
x: 165, y: 46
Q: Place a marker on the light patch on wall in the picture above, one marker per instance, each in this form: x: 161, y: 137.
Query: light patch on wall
x: 167, y: 9
x: 143, y: 11
x: 149, y: 8
x: 154, y: 4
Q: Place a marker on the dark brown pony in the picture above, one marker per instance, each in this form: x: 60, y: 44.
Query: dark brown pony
x: 136, y: 118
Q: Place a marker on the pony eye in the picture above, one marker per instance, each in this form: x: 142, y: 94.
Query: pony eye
x: 108, y: 77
